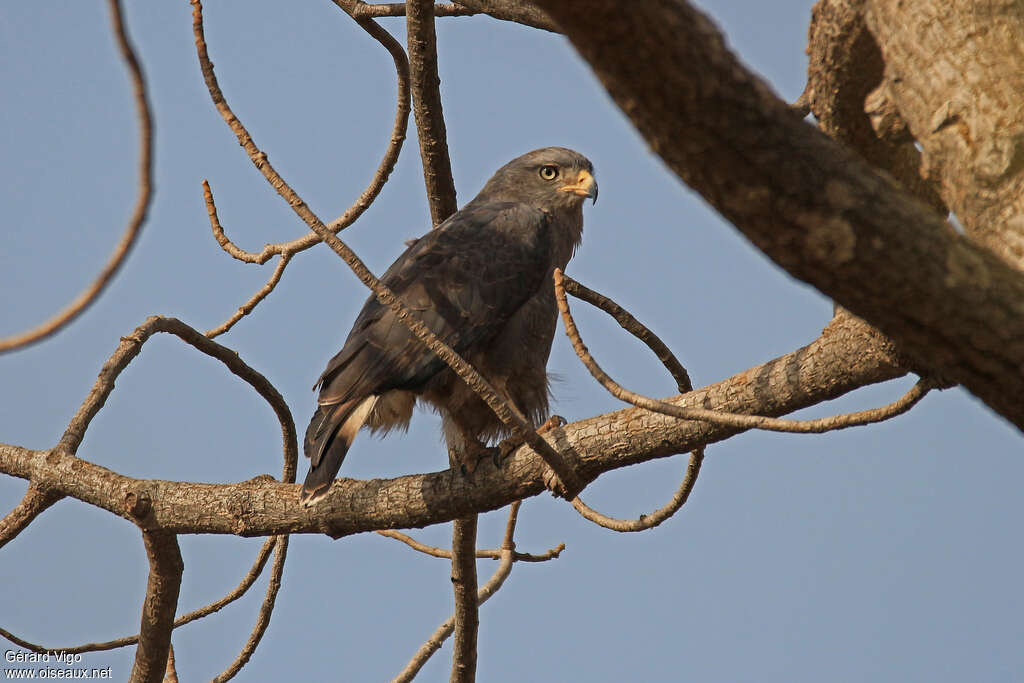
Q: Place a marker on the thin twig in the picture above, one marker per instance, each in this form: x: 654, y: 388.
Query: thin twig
x: 434, y: 642
x: 481, y: 553
x: 426, y: 99
x: 145, y: 194
x: 658, y: 516
x: 364, y: 10
x: 739, y: 421
x: 165, y: 569
x: 266, y: 609
x: 467, y: 614
x: 568, y: 484
x: 634, y: 327
x: 35, y: 501
x: 247, y: 308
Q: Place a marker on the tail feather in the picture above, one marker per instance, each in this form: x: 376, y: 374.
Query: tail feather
x: 328, y: 438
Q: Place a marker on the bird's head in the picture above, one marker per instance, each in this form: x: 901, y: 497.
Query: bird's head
x: 551, y: 178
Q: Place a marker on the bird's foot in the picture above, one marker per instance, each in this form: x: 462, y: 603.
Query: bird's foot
x: 469, y: 459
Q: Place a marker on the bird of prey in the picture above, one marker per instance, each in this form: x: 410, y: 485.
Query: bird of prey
x: 481, y: 281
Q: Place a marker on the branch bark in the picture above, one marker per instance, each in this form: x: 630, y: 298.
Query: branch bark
x: 165, y: 569
x: 467, y: 613
x: 848, y: 355
x: 959, y: 86
x: 426, y: 99
x: 811, y: 205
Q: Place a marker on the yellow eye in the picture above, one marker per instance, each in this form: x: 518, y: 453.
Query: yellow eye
x: 549, y: 172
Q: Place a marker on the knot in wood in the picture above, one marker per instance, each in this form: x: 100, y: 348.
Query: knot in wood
x: 139, y: 504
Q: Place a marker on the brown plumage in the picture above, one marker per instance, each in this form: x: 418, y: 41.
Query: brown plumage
x: 481, y: 281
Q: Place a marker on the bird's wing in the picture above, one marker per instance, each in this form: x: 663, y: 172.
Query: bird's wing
x: 464, y: 280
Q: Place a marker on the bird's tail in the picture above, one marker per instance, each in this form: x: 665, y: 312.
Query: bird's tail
x: 328, y: 438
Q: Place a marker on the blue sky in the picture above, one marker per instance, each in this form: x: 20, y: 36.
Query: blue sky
x: 884, y: 553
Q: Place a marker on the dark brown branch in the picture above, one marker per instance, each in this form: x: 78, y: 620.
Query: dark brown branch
x: 33, y: 504
x: 814, y: 207
x: 434, y: 551
x: 145, y: 194
x: 631, y: 325
x: 165, y: 569
x: 658, y: 516
x: 426, y: 97
x: 467, y: 615
x: 563, y: 480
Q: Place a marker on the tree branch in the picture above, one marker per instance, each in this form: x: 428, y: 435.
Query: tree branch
x: 434, y: 551
x: 33, y: 504
x: 847, y: 356
x: 165, y: 569
x: 467, y: 616
x: 426, y: 96
x: 145, y: 194
x: 814, y: 207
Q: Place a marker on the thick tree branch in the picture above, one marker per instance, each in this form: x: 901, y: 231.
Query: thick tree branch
x: 959, y: 88
x: 517, y: 11
x: 426, y: 97
x: 165, y: 569
x: 847, y: 356
x: 145, y: 194
x: 814, y: 207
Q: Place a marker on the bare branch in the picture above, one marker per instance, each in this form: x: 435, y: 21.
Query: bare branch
x: 131, y: 346
x: 364, y: 10
x: 266, y: 609
x: 426, y: 97
x: 631, y: 325
x: 467, y: 615
x: 92, y: 292
x: 247, y: 308
x: 434, y: 551
x: 518, y: 11
x: 658, y: 516
x: 443, y: 631
x: 33, y: 504
x: 848, y: 355
x: 247, y: 581
x: 825, y: 424
x: 567, y: 485
x: 165, y: 569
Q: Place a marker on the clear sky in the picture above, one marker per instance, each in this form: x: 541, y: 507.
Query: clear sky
x: 884, y: 553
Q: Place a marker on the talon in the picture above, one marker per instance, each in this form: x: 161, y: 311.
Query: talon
x: 553, y: 422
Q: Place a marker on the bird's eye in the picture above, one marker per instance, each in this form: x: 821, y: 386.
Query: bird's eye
x: 549, y: 172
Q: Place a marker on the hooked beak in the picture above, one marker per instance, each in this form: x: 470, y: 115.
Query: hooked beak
x: 585, y: 186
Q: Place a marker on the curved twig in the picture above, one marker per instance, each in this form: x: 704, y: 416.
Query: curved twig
x: 740, y: 421
x: 658, y: 516
x: 568, y: 484
x: 247, y: 308
x: 288, y: 249
x: 634, y: 327
x: 266, y: 609
x: 117, y: 258
x: 443, y: 631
